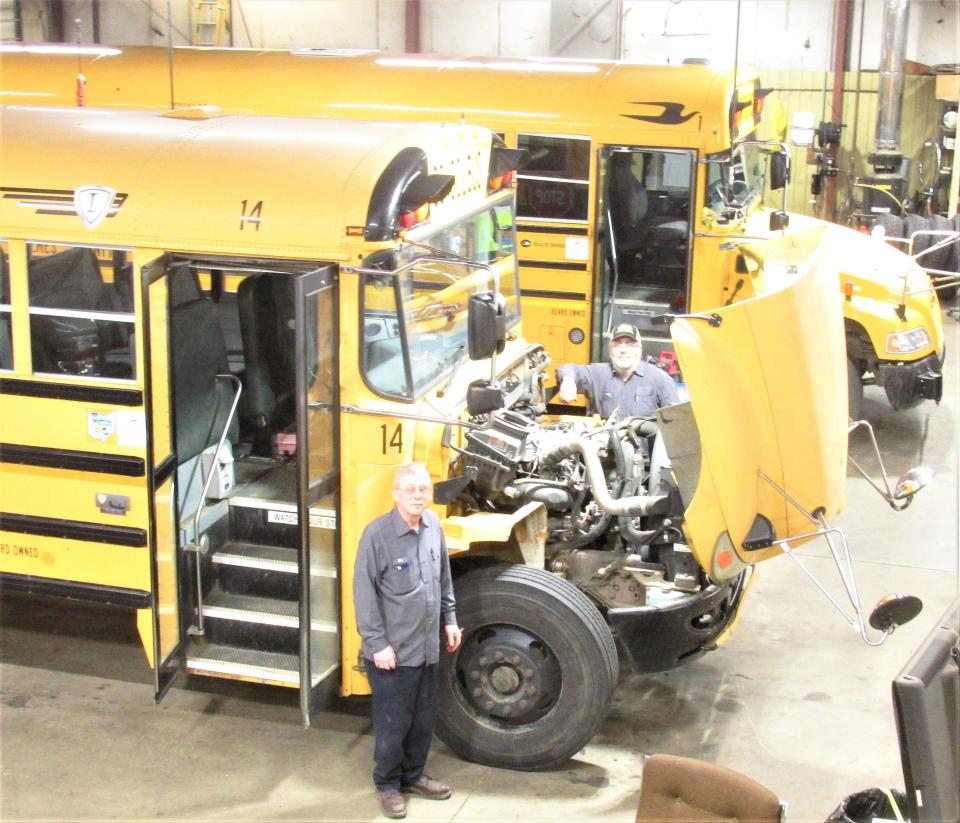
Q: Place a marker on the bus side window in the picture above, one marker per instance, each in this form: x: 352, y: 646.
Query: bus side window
x: 75, y: 325
x: 6, y: 319
x: 554, y: 178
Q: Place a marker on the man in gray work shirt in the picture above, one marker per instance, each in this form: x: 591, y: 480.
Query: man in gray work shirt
x: 402, y: 593
x: 625, y: 384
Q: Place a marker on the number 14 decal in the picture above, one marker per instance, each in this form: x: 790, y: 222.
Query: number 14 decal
x: 251, y: 216
x: 392, y: 440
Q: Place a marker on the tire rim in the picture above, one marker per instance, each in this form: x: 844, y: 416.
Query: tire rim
x: 507, y: 674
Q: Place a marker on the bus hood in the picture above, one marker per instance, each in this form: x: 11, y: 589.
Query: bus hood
x: 768, y: 397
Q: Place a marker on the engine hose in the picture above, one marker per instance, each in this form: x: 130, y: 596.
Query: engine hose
x: 639, y: 504
x: 633, y: 535
x: 595, y: 531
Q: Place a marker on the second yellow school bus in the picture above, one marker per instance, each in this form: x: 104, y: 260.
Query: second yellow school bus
x: 639, y: 185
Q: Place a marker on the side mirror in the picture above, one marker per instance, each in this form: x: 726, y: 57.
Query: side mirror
x: 486, y: 325
x: 483, y: 397
x: 914, y: 480
x: 779, y: 170
x: 894, y: 610
x: 779, y: 220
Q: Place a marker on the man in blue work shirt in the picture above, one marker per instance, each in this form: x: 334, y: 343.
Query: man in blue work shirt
x: 626, y: 384
x: 403, y: 592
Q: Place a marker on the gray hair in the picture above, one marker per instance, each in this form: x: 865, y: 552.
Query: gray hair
x: 413, y: 471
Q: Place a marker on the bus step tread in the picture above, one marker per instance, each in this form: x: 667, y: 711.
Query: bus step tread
x: 257, y: 556
x: 247, y: 664
x: 250, y: 609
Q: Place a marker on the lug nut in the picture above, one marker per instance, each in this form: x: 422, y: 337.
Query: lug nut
x: 515, y: 660
x: 477, y: 691
x: 474, y: 675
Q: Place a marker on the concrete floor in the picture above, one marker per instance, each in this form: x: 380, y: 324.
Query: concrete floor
x: 794, y: 700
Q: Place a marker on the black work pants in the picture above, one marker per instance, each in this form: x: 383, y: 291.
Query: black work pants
x: 404, y: 716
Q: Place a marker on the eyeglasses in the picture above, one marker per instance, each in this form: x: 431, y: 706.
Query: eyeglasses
x: 415, y: 489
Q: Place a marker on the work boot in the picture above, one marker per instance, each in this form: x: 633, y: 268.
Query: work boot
x: 392, y: 803
x: 429, y: 788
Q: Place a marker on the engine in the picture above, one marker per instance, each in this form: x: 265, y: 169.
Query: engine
x: 614, y: 512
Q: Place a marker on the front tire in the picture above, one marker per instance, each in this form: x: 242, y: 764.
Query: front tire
x: 535, y: 674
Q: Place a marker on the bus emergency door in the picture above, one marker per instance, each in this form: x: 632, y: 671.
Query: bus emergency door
x: 644, y: 253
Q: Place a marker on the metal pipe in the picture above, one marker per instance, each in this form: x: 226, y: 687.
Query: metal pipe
x: 893, y: 43
x: 411, y: 27
x: 637, y: 505
x: 841, y: 29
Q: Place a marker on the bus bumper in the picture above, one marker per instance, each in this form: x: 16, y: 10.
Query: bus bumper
x: 908, y: 384
x: 661, y: 637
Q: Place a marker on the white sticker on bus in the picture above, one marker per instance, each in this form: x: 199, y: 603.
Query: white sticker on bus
x: 577, y: 248
x: 317, y: 521
x: 131, y: 429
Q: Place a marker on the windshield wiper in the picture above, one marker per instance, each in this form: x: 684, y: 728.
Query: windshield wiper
x: 451, y: 359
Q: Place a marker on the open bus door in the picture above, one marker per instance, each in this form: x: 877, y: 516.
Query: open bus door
x: 161, y: 475
x: 318, y: 482
x: 245, y: 485
x: 644, y: 256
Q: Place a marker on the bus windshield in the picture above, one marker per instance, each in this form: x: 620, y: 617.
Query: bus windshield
x: 735, y: 180
x: 414, y: 329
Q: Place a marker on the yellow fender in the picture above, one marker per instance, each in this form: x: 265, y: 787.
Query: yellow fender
x: 519, y: 536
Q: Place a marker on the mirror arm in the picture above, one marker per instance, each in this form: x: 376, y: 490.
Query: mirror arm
x: 841, y: 559
x: 886, y: 493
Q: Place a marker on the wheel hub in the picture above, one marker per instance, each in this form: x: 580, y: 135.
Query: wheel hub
x: 508, y: 674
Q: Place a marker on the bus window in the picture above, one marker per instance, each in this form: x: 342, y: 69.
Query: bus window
x: 735, y: 181
x: 6, y: 320
x: 554, y: 180
x: 81, y: 311
x: 404, y: 359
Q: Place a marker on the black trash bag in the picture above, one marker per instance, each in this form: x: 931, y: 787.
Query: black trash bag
x: 864, y: 806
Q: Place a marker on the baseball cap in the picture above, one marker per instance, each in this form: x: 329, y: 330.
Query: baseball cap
x: 625, y: 330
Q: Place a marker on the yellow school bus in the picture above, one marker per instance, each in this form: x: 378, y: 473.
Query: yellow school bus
x: 219, y: 337
x: 639, y: 186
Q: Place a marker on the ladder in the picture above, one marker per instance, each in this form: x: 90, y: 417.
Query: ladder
x: 210, y: 21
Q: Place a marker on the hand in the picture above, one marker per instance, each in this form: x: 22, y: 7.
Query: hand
x: 454, y: 636
x: 568, y: 390
x: 385, y: 659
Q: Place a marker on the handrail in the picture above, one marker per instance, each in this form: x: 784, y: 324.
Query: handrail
x: 197, y: 545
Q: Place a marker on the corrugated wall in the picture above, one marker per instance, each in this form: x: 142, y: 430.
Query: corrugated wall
x: 807, y: 91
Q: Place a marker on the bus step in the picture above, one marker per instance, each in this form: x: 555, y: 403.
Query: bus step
x: 268, y: 522
x: 257, y: 556
x: 214, y: 660
x: 257, y: 570
x: 264, y: 611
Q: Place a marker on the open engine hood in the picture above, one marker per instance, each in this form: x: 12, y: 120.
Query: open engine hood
x: 768, y: 396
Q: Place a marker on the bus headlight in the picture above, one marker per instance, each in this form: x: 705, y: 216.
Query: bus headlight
x: 906, y: 342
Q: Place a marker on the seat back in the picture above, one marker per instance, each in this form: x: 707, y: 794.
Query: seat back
x: 628, y: 197
x: 681, y: 788
x: 266, y: 310
x: 201, y: 402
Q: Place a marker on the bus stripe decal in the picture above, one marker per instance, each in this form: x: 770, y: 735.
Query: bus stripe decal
x: 111, y: 595
x: 553, y: 295
x: 72, y: 529
x: 546, y: 264
x: 63, y: 391
x: 521, y: 228
x: 70, y: 459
